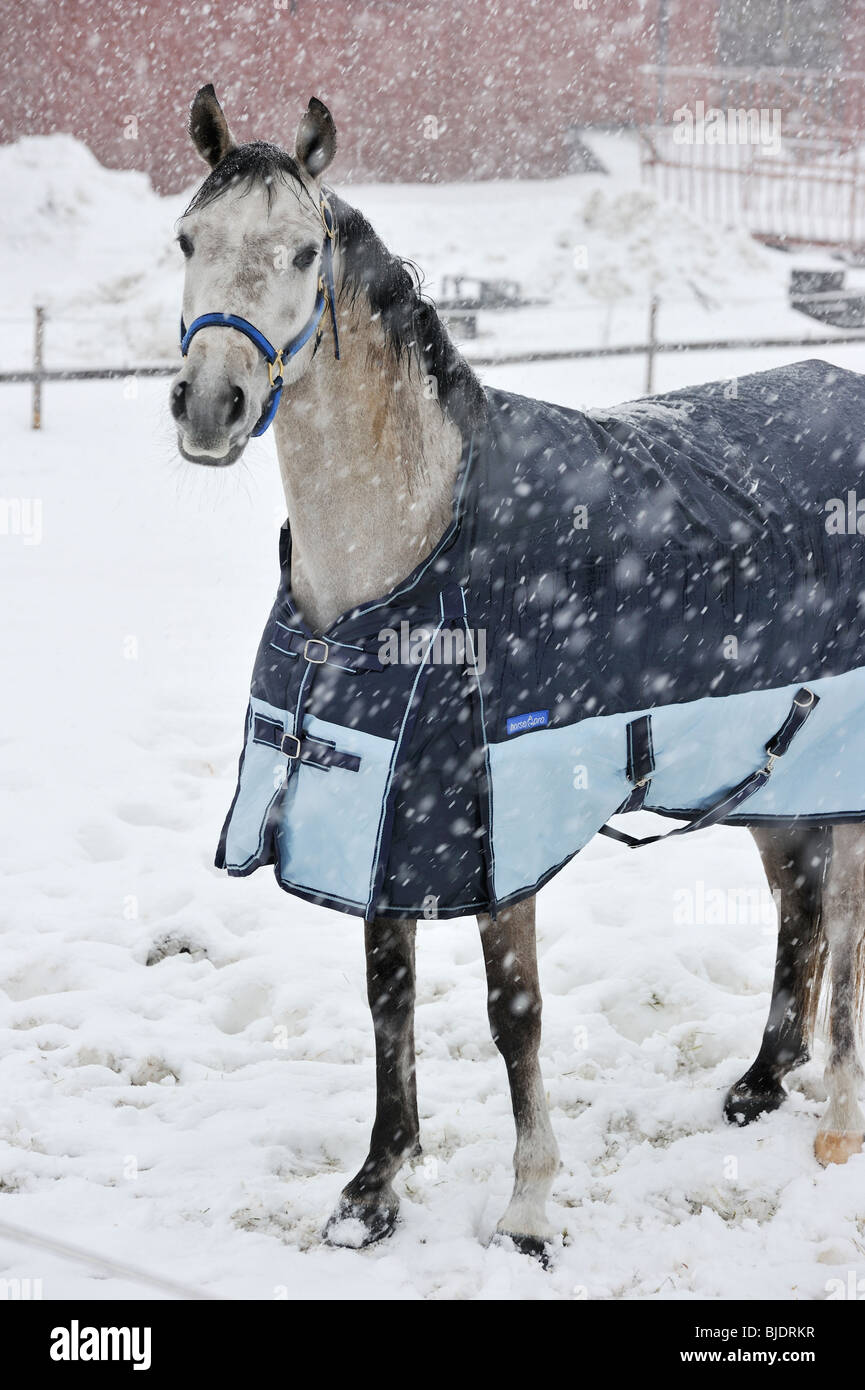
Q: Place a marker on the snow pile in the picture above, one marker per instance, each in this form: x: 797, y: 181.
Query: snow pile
x: 637, y: 244
x: 94, y: 247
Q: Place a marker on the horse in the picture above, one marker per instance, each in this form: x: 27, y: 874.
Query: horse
x: 368, y: 456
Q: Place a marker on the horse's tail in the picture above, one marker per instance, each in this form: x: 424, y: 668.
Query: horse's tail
x: 817, y: 989
x: 812, y: 985
x: 811, y: 992
x: 815, y: 984
x: 858, y: 1003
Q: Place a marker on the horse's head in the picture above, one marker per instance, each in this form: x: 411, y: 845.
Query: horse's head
x: 254, y: 239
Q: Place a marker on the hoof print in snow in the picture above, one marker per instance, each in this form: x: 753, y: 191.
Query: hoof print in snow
x: 152, y: 1071
x: 171, y: 945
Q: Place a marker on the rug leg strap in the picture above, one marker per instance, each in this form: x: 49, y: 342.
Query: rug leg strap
x: 804, y: 702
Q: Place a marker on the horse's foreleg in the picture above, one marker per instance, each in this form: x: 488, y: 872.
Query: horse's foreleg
x: 843, y: 1128
x: 390, y: 978
x: 514, y: 1007
x: 794, y: 858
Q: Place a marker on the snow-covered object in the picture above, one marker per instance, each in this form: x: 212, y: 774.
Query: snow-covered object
x: 448, y: 747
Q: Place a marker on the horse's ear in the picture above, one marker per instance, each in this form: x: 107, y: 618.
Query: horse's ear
x: 316, y: 138
x: 209, y: 128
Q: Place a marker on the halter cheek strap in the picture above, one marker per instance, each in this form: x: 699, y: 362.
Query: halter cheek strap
x: 276, y: 358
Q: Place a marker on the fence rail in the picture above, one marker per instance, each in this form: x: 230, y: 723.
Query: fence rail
x: 85, y: 373
x: 38, y: 374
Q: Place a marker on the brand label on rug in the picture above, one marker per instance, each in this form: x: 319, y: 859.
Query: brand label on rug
x: 518, y: 723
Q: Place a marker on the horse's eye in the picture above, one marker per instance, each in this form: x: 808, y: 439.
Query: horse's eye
x: 185, y: 245
x: 305, y: 257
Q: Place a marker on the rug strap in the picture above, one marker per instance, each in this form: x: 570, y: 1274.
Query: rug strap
x: 317, y: 752
x: 641, y: 763
x: 804, y: 702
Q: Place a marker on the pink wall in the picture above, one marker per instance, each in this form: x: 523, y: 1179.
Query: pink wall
x: 502, y: 78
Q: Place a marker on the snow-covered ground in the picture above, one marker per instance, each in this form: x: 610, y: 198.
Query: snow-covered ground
x: 186, y: 1075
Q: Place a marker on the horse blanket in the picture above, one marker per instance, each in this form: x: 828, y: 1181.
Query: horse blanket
x: 661, y: 606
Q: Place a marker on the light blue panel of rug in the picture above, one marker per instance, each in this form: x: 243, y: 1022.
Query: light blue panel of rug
x: 705, y: 747
x: 551, y: 790
x: 328, y: 821
x: 261, y: 777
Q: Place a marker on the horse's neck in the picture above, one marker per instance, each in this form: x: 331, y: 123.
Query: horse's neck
x: 368, y: 463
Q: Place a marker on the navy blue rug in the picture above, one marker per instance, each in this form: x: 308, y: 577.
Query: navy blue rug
x: 625, y: 610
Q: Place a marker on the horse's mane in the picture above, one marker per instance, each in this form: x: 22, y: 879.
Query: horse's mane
x: 391, y: 285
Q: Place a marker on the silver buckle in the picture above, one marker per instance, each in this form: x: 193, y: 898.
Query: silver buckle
x: 289, y: 751
x: 315, y: 642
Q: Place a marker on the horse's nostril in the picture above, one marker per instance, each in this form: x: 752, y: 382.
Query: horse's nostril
x: 235, y: 410
x: 178, y: 400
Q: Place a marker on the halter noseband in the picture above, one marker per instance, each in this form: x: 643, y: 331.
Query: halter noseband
x: 276, y: 359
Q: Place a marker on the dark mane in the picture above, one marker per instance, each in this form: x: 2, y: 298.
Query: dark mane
x: 393, y: 289
x: 391, y: 285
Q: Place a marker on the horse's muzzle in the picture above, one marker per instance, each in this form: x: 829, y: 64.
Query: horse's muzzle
x: 212, y: 460
x: 211, y: 424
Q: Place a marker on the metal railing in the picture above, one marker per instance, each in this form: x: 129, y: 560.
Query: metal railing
x: 809, y: 192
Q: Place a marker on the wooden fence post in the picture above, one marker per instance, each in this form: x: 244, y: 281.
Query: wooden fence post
x: 38, y: 345
x: 652, y: 344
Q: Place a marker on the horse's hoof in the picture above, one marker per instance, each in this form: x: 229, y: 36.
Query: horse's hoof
x: 355, y: 1225
x: 748, y: 1100
x: 837, y: 1145
x: 535, y: 1246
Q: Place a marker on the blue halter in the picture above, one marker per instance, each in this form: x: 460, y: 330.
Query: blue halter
x: 276, y: 359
